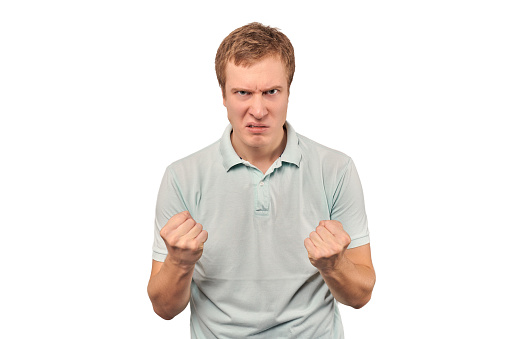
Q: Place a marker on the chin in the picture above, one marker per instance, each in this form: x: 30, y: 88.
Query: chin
x: 257, y: 141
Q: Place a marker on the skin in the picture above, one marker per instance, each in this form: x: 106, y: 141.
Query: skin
x: 257, y: 95
x: 348, y: 273
x: 256, y: 99
x: 169, y: 287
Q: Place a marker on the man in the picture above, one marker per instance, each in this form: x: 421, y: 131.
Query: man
x: 264, y: 229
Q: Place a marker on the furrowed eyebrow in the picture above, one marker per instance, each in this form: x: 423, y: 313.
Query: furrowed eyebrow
x: 279, y: 88
x: 250, y: 91
x: 240, y: 90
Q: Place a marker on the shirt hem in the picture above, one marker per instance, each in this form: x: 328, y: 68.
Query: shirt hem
x: 359, y: 241
x: 158, y: 256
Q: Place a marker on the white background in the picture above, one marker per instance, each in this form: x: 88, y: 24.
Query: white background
x: 98, y: 97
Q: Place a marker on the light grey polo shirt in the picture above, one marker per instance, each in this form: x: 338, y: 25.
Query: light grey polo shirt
x: 254, y: 279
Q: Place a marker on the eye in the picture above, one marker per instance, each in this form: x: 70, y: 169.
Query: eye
x: 272, y: 91
x: 242, y: 93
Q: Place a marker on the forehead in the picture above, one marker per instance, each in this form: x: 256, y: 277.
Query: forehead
x: 262, y: 74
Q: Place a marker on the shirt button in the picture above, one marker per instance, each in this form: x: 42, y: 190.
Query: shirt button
x: 262, y: 183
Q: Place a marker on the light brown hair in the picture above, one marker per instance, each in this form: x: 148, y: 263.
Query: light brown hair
x: 251, y: 43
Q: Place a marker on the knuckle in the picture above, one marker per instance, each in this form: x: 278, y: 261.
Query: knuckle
x: 179, y: 218
x: 176, y: 218
x: 163, y: 232
x: 204, y: 234
x: 332, y: 252
x: 335, y: 224
x: 186, y: 245
x: 173, y: 240
x: 336, y: 248
x: 195, y: 246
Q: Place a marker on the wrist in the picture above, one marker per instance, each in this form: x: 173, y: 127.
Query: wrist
x: 339, y: 265
x: 178, y: 268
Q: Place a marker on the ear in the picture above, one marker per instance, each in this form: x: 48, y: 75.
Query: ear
x: 224, y: 97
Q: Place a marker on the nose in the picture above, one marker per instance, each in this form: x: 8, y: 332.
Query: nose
x: 257, y: 108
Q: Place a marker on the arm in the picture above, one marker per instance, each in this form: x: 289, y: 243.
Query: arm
x: 169, y: 287
x: 348, y: 273
x: 353, y: 281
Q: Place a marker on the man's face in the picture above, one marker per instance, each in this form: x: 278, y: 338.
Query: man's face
x: 256, y: 99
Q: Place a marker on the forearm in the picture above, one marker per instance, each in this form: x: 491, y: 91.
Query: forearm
x: 350, y: 284
x: 170, y: 289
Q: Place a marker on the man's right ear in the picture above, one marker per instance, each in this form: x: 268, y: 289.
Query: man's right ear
x: 224, y: 98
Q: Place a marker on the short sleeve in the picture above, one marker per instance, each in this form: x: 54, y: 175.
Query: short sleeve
x: 348, y: 206
x: 169, y: 203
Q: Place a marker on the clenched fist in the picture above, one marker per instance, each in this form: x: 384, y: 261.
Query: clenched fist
x: 184, y: 239
x: 326, y: 246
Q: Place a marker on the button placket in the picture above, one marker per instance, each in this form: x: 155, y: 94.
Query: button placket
x: 262, y: 200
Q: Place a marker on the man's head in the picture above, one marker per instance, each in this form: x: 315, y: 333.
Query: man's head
x: 251, y: 43
x: 255, y: 66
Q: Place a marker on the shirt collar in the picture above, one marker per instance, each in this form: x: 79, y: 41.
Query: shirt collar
x: 230, y: 158
x: 291, y: 154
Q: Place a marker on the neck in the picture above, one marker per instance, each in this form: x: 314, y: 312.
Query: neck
x: 262, y: 157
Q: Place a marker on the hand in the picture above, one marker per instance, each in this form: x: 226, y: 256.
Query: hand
x: 184, y: 239
x: 326, y: 246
